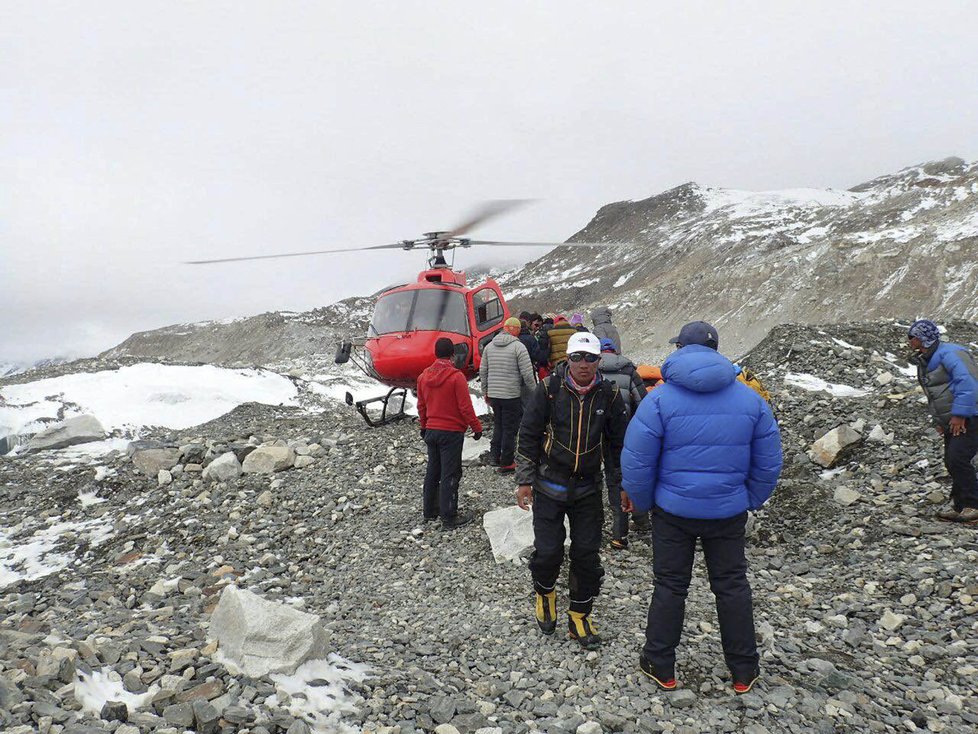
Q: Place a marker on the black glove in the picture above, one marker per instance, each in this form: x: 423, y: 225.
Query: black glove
x: 477, y: 435
x: 423, y: 432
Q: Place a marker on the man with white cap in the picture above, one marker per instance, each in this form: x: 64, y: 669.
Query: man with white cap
x: 571, y: 416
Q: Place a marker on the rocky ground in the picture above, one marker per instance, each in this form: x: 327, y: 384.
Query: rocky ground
x: 867, y: 608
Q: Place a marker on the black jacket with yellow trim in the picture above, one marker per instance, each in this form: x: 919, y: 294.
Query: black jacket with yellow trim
x: 563, y: 435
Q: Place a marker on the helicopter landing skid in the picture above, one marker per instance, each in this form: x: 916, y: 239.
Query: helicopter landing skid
x: 391, y: 411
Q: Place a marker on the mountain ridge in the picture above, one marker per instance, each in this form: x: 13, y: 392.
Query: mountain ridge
x: 899, y: 245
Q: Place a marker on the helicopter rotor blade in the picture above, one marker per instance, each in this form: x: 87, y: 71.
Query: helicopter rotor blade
x: 486, y: 211
x: 546, y: 244
x: 396, y: 246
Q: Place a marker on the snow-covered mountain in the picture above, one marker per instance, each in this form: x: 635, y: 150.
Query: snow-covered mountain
x: 897, y: 246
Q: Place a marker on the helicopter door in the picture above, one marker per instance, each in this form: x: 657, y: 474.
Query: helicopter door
x: 487, y: 311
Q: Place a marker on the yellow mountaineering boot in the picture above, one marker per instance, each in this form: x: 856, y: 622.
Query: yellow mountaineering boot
x: 581, y: 628
x: 547, y: 612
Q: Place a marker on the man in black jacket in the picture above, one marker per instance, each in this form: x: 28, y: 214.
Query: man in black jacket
x: 572, y: 415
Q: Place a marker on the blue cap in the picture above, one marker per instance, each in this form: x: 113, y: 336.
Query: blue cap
x: 608, y: 346
x: 697, y: 332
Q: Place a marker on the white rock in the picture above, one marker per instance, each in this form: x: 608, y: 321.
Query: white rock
x: 881, y: 436
x: 257, y: 637
x: 858, y: 425
x: 301, y: 462
x: 265, y: 499
x: 223, y: 469
x: 590, y: 727
x: 150, y: 461
x: 164, y: 477
x: 845, y: 496
x: 892, y: 622
x: 884, y: 378
x: 472, y: 450
x: 446, y: 729
x: 510, y: 532
x: 827, y: 449
x: 269, y: 459
x: 80, y: 429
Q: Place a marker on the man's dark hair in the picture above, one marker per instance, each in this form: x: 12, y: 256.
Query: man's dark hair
x: 536, y: 317
x: 444, y: 348
x: 525, y: 316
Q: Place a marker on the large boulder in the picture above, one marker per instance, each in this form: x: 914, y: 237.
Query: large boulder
x: 510, y: 532
x: 269, y: 459
x: 223, y: 469
x: 80, y: 429
x: 828, y: 449
x: 151, y: 461
x: 257, y: 637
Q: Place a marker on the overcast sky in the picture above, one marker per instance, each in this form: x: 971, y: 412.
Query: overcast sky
x: 136, y: 135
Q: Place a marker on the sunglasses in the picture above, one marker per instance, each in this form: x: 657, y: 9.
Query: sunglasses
x: 589, y: 358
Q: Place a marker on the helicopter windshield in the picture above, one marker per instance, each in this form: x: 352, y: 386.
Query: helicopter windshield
x: 430, y: 309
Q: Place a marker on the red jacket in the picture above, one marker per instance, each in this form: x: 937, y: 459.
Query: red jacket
x: 444, y: 403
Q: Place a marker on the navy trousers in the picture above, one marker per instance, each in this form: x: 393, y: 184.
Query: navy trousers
x: 443, y: 474
x: 673, y: 547
x: 959, y: 451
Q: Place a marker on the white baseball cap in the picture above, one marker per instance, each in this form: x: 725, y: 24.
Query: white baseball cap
x: 584, y: 341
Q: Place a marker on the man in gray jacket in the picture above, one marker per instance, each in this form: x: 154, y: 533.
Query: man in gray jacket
x: 506, y: 371
x: 603, y: 328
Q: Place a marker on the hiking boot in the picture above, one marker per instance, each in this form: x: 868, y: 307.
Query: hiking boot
x: 969, y: 515
x: 430, y: 519
x: 580, y: 628
x: 666, y: 680
x: 508, y: 469
x: 743, y: 683
x: 490, y: 460
x: 619, y: 544
x: 949, y: 515
x: 456, y: 521
x: 547, y: 612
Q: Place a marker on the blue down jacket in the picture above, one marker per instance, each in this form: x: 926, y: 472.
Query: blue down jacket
x: 703, y: 445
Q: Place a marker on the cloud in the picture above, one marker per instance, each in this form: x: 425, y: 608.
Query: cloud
x: 137, y: 136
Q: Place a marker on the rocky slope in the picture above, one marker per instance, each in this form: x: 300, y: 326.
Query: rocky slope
x: 865, y: 605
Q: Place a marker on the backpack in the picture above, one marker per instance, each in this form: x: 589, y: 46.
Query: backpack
x: 749, y: 378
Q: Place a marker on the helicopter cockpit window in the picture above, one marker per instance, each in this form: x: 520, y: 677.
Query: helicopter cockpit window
x: 488, y: 308
x: 420, y: 310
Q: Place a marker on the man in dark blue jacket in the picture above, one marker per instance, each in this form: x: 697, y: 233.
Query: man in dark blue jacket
x: 701, y: 451
x: 949, y: 377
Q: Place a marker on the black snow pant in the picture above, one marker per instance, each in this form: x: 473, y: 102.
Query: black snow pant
x: 506, y: 416
x: 443, y: 474
x: 673, y: 546
x: 586, y: 516
x: 959, y: 451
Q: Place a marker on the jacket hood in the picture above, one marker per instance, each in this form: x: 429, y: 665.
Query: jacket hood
x: 614, y: 362
x: 440, y: 372
x: 699, y: 369
x: 504, y: 339
x: 601, y: 315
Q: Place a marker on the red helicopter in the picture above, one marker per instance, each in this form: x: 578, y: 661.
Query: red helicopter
x: 408, y: 319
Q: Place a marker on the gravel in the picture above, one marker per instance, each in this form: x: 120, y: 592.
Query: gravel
x: 865, y: 611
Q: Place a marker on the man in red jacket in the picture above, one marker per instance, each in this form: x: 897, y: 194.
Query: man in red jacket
x: 445, y: 409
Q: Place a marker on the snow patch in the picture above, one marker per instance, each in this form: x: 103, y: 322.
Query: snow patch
x: 37, y: 556
x: 318, y: 693
x: 812, y: 383
x: 92, y: 691
x: 145, y: 394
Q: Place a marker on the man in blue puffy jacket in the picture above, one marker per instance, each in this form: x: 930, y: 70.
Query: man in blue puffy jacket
x: 701, y: 451
x: 949, y: 377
